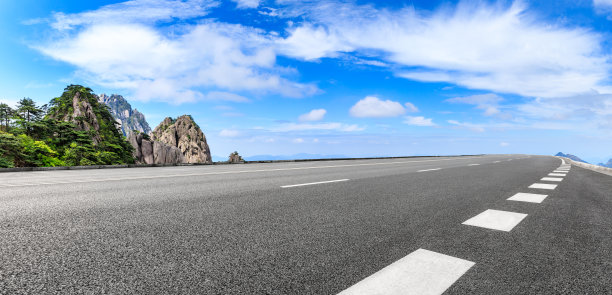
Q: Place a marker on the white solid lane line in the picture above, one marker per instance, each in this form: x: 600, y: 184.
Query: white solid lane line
x: 420, y: 272
x: 474, y: 165
x: 525, y: 197
x: 425, y: 170
x: 496, y: 219
x: 557, y: 179
x: 543, y: 186
x: 557, y: 174
x: 261, y: 170
x: 313, y: 183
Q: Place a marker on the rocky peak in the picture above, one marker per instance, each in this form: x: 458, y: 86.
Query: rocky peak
x: 127, y: 118
x: 186, y: 135
x: 82, y: 115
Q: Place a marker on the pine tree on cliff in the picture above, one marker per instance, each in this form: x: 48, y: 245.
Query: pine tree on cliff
x: 80, y: 106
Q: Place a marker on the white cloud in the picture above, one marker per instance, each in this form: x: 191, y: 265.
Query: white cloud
x: 470, y: 126
x: 603, y: 6
x: 314, y: 115
x: 247, y: 3
x: 229, y: 133
x: 225, y: 96
x: 418, y: 121
x: 411, y: 108
x: 298, y: 140
x: 487, y: 102
x: 373, y: 107
x: 173, y: 65
x: 504, y: 144
x: 140, y: 11
x: 291, y: 127
x: 462, y: 45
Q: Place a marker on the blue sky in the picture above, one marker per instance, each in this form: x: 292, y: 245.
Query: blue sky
x: 353, y: 78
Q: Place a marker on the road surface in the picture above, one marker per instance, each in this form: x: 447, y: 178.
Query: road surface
x: 421, y: 225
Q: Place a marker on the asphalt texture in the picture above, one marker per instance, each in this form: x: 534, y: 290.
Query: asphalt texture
x: 232, y: 229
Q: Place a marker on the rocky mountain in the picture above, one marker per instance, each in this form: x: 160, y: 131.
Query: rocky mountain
x: 609, y: 164
x: 186, y: 135
x: 97, y: 140
x: 127, y: 118
x: 173, y: 141
x: 570, y: 156
x: 147, y: 151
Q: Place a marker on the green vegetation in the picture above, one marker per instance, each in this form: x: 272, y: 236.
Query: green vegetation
x: 32, y: 136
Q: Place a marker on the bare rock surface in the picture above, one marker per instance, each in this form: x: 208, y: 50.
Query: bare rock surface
x: 187, y: 136
x: 172, y: 142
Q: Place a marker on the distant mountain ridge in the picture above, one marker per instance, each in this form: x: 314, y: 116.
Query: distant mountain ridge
x: 127, y: 118
x: 301, y: 156
x: 570, y: 156
x: 609, y: 164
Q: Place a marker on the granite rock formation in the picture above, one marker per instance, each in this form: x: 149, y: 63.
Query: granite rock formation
x: 186, y: 135
x: 147, y: 151
x: 127, y: 118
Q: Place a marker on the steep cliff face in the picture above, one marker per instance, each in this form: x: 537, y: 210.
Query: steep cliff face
x: 147, y: 151
x: 187, y: 136
x: 79, y: 109
x: 127, y: 118
x: 97, y: 141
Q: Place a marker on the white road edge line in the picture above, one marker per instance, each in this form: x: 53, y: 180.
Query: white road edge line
x: 421, y: 272
x: 425, y: 170
x: 313, y: 183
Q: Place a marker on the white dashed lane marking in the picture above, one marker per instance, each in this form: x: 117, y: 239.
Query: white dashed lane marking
x: 557, y: 179
x: 313, y: 183
x: 543, y: 186
x: 474, y: 165
x: 496, y: 219
x: 526, y: 197
x: 560, y: 171
x: 420, y: 272
x: 433, y: 169
x: 557, y: 174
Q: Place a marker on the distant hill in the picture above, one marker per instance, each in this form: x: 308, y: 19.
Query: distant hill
x: 300, y: 156
x: 609, y: 164
x: 570, y: 156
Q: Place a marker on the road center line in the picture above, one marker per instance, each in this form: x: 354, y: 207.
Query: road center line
x: 420, y: 272
x: 425, y: 170
x: 557, y: 179
x: 496, y: 219
x: 312, y: 183
x: 543, y: 186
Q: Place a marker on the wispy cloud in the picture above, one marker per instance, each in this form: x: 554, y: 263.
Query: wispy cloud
x: 470, y: 126
x: 290, y: 127
x: 463, y: 45
x: 246, y: 3
x: 173, y: 64
x: 135, y: 11
x: 314, y: 115
x: 418, y: 121
x: 487, y: 102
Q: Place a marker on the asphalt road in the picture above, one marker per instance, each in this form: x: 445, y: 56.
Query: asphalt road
x: 256, y: 229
